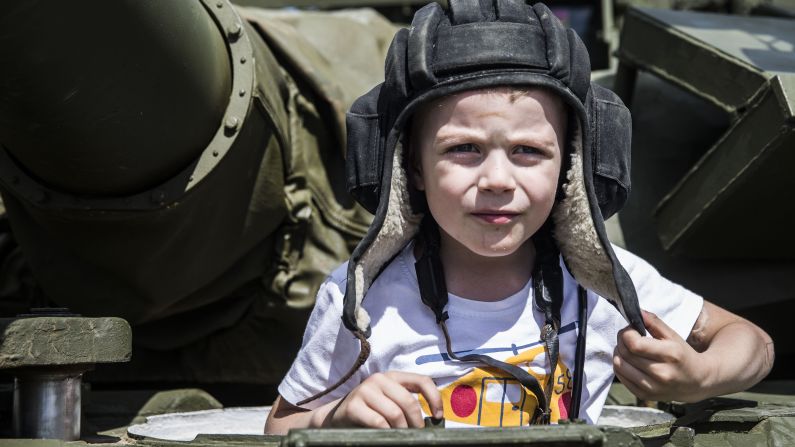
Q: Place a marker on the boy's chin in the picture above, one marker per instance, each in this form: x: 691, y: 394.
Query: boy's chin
x: 495, y: 250
x: 480, y: 245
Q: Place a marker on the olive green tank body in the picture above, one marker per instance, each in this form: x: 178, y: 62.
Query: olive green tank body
x: 192, y: 182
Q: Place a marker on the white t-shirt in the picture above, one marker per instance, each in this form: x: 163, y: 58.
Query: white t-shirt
x: 405, y: 337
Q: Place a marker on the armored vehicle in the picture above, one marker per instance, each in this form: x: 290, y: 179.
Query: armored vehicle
x: 173, y: 182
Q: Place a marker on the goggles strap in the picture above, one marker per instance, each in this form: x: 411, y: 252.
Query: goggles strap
x: 579, y: 362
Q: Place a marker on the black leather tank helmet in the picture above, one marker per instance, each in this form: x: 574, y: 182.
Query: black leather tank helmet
x: 478, y: 44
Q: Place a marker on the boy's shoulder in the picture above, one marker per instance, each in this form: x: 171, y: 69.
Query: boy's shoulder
x: 332, y: 291
x: 339, y: 275
x: 627, y: 258
x: 396, y: 271
x: 638, y: 268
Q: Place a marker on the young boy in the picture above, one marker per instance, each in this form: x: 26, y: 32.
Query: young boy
x: 467, y: 299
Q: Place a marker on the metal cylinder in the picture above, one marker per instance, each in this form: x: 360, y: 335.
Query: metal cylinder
x: 47, y: 405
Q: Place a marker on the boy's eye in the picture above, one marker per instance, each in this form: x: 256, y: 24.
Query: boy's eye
x: 463, y: 148
x: 522, y: 149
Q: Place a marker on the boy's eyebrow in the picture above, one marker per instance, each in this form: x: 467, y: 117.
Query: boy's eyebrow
x: 461, y: 133
x: 488, y: 114
x: 451, y: 133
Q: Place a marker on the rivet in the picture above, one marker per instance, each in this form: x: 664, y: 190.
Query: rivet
x: 242, y: 92
x: 219, y: 5
x: 231, y: 123
x: 158, y: 196
x: 234, y: 31
x: 215, y: 153
x: 190, y: 179
x: 243, y: 59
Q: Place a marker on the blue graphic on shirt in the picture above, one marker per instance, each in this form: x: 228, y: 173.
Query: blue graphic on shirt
x: 514, y: 349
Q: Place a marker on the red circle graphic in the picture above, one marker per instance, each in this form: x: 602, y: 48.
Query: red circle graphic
x: 564, y: 404
x: 463, y: 400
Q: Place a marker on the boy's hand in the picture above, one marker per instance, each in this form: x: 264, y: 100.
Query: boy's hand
x: 385, y: 400
x: 664, y: 367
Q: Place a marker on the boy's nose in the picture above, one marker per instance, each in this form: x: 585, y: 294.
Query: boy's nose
x: 495, y: 175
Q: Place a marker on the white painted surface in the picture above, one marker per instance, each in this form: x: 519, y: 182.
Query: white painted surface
x: 185, y: 426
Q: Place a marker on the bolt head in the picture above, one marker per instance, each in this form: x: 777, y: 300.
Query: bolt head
x: 234, y: 31
x: 231, y: 124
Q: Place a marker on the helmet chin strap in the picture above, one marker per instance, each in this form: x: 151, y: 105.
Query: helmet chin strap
x: 548, y: 297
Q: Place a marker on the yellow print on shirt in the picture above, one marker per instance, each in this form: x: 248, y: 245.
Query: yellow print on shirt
x: 490, y: 397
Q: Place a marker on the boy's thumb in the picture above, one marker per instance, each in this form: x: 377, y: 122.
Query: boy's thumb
x: 657, y: 327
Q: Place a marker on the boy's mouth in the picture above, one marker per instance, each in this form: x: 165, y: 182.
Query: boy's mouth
x: 495, y: 217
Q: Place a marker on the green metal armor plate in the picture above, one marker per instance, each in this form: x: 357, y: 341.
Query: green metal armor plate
x: 728, y: 205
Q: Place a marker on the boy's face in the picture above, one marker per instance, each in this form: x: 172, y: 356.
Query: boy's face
x: 488, y: 162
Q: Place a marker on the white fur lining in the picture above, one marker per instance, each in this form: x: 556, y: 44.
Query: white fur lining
x: 399, y: 227
x: 576, y: 235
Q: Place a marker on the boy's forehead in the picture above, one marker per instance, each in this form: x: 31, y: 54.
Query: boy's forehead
x: 471, y: 103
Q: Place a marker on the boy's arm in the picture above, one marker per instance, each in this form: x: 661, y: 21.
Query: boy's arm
x: 284, y: 416
x: 383, y: 400
x: 724, y: 353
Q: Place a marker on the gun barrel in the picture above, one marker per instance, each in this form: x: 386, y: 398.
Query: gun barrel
x: 109, y: 98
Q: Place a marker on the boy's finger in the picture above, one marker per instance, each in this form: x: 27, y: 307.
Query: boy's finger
x: 638, y: 361
x: 657, y: 327
x: 637, y: 345
x: 417, y: 383
x: 389, y: 410
x: 632, y: 387
x: 360, y: 414
x: 629, y: 374
x: 408, y: 404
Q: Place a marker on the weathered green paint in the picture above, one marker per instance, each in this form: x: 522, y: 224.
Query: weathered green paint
x: 49, y: 341
x: 36, y: 443
x: 620, y: 395
x: 177, y: 401
x: 733, y: 188
x: 563, y: 435
x: 707, y: 54
x: 745, y: 66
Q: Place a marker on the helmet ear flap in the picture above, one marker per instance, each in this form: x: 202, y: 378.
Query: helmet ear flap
x: 611, y: 146
x: 365, y: 152
x: 366, y: 122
